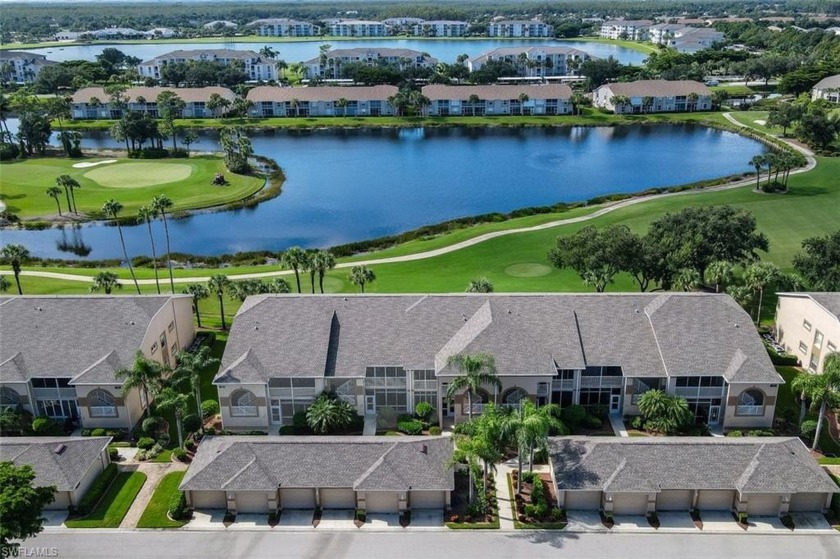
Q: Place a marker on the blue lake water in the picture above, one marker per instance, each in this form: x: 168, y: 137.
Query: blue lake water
x: 445, y: 50
x: 351, y: 185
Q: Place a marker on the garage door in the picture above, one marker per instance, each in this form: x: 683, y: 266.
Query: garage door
x: 715, y: 500
x: 630, y: 503
x: 583, y: 500
x: 251, y: 501
x: 673, y: 500
x: 381, y: 501
x: 338, y: 499
x: 763, y: 505
x: 427, y: 499
x: 62, y: 501
x: 807, y: 502
x: 208, y: 499
x: 297, y: 498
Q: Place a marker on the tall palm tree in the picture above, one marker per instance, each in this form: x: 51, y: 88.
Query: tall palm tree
x: 324, y: 261
x: 758, y: 276
x: 55, y: 193
x: 198, y: 292
x: 148, y: 214
x: 189, y: 369
x: 145, y: 374
x: 112, y: 208
x: 480, y: 285
x: 294, y: 258
x: 692, y: 101
x: 823, y: 390
x: 106, y: 281
x: 757, y: 161
x: 719, y: 273
x: 311, y: 266
x: 474, y: 371
x: 361, y: 275
x: 170, y: 399
x: 219, y: 284
x: 5, y: 110
x: 68, y: 183
x: 15, y: 255
x: 161, y: 203
x: 342, y: 104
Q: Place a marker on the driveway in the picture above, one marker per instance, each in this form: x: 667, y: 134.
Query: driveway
x: 765, y: 524
x: 426, y: 520
x: 811, y: 521
x: 296, y: 519
x: 675, y: 521
x: 337, y: 520
x: 250, y: 522
x: 632, y: 523
x: 584, y: 521
x: 206, y: 520
x: 382, y: 521
x: 54, y: 519
x: 720, y: 521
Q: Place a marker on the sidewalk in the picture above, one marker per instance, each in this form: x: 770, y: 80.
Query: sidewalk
x: 618, y: 426
x: 504, y: 498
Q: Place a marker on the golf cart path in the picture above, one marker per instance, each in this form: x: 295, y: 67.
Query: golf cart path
x: 811, y: 162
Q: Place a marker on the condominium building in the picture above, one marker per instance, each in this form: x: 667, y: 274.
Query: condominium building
x: 255, y: 66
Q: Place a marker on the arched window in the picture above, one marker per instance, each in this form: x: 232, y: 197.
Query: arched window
x: 514, y: 396
x: 243, y: 403
x: 101, y: 403
x: 750, y: 402
x: 9, y: 398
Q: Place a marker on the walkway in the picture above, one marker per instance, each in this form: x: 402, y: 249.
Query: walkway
x: 370, y: 425
x: 607, y: 208
x: 503, y: 496
x: 618, y: 426
x: 154, y: 472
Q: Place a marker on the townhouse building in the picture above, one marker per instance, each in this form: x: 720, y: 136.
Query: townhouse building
x: 516, y: 28
x: 93, y: 102
x: 270, y: 101
x: 256, y: 67
x: 21, y: 67
x: 329, y: 66
x: 284, y: 27
x: 808, y: 326
x: 653, y: 96
x: 439, y: 28
x: 828, y: 89
x: 538, y: 61
x: 356, y: 28
x: 633, y: 30
x: 479, y: 100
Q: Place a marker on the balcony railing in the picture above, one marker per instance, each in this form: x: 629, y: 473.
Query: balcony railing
x: 563, y: 384
x: 300, y: 392
x: 425, y: 385
x: 749, y: 410
x: 243, y: 411
x: 700, y: 391
x: 103, y: 411
x: 605, y: 382
x: 379, y: 382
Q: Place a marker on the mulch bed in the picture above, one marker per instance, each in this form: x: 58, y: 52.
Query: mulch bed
x: 524, y: 498
x: 460, y: 500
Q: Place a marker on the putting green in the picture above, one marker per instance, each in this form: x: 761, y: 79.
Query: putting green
x: 139, y: 174
x: 527, y: 270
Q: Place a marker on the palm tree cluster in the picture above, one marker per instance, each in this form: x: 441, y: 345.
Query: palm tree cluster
x: 777, y: 164
x: 329, y: 414
x: 315, y: 262
x: 409, y: 99
x: 822, y: 391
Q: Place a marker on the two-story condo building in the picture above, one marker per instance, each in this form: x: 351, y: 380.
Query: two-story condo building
x: 255, y: 66
x: 393, y: 352
x: 512, y: 28
x: 356, y: 28
x: 21, y: 67
x: 808, y: 326
x: 58, y: 355
x: 270, y: 101
x: 478, y: 100
x: 93, y: 102
x: 284, y: 27
x: 534, y: 61
x: 330, y: 65
x: 634, y: 30
x: 440, y: 28
x: 653, y: 96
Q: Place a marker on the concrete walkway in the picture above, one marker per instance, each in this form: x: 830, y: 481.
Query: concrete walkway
x: 618, y: 426
x: 370, y: 425
x: 154, y: 472
x: 503, y: 497
x: 605, y: 209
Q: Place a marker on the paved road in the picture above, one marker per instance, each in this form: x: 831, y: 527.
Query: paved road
x: 607, y: 208
x: 427, y: 545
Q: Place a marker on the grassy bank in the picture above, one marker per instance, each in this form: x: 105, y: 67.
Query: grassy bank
x: 638, y: 46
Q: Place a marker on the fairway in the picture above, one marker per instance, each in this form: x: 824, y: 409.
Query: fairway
x: 133, y: 183
x: 138, y: 175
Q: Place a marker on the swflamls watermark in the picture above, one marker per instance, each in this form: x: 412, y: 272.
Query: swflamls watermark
x: 32, y: 551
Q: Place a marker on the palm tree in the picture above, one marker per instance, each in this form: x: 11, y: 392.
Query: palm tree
x: 112, y: 208
x: 198, y: 292
x: 69, y: 184
x: 480, y: 285
x: 475, y: 371
x: 474, y: 100
x: 687, y: 279
x: 171, y: 400
x: 620, y: 101
x: 147, y: 214
x: 311, y: 266
x: 218, y: 285
x: 719, y: 273
x: 295, y: 104
x: 54, y: 192
x: 532, y: 426
x: 692, y: 101
x: 294, y: 258
x: 4, y: 284
x: 469, y: 450
x: 822, y: 389
x: 328, y: 413
x: 758, y: 276
x: 106, y: 281
x: 160, y: 204
x: 361, y: 275
x: 342, y: 104
x: 324, y: 261
x: 757, y: 161
x: 647, y: 103
x: 145, y: 375
x: 190, y: 366
x: 15, y: 255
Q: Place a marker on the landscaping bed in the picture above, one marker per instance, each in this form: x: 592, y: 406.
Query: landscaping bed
x: 534, y: 506
x: 114, y: 504
x: 465, y: 516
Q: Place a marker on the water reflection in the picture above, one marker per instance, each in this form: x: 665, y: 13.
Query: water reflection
x: 74, y: 244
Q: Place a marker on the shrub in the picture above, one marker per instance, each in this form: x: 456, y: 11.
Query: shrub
x: 190, y: 445
x: 411, y: 427
x: 361, y: 515
x: 154, y: 153
x: 42, y: 425
x: 573, y: 415
x: 299, y: 420
x: 556, y: 515
x: 164, y: 439
x: 424, y: 410
x: 97, y: 489
x: 541, y: 510
x: 179, y: 453
x: 434, y: 430
x: 210, y: 431
x: 405, y: 417
x: 178, y: 506
x: 8, y: 151
x: 636, y: 423
x: 87, y: 432
x: 538, y: 492
x: 808, y: 428
x: 761, y: 433
x: 145, y: 443
x: 530, y: 510
x: 735, y: 433
x: 179, y: 153
x: 209, y: 408
x: 98, y: 433
x: 141, y: 455
x: 150, y: 425
x: 287, y: 430
x: 191, y: 423
x: 592, y: 422
x: 113, y: 454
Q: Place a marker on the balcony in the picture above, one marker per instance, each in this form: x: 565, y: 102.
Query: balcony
x: 749, y: 410
x: 700, y: 391
x: 379, y: 382
x: 425, y: 385
x: 296, y: 393
x: 602, y: 382
x: 563, y: 384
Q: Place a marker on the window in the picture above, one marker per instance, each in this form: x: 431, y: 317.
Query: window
x: 243, y: 403
x: 803, y: 348
x: 171, y: 326
x: 818, y: 340
x: 9, y: 398
x: 101, y: 404
x: 750, y: 402
x: 514, y: 396
x: 812, y: 365
x: 831, y: 347
x: 806, y: 325
x: 154, y: 347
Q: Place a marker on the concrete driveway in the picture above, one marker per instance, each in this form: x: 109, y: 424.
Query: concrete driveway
x: 720, y: 521
x: 337, y: 520
x: 811, y: 521
x: 631, y: 523
x: 382, y: 521
x: 249, y: 522
x: 765, y: 524
x: 296, y: 519
x: 54, y: 519
x: 675, y: 521
x: 584, y: 521
x: 426, y: 520
x: 206, y: 520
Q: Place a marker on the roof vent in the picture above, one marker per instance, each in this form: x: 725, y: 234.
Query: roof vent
x: 60, y: 448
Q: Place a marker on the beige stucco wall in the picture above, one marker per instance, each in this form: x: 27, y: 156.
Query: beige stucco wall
x: 791, y: 312
x: 178, y: 311
x: 527, y: 383
x: 129, y: 408
x: 258, y: 422
x: 90, y: 476
x: 733, y: 421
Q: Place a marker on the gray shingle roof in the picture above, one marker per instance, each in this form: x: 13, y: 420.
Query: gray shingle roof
x: 497, y: 92
x: 64, y: 469
x: 648, y: 335
x: 749, y: 465
x: 187, y: 94
x: 203, y: 54
x: 658, y: 88
x: 829, y: 82
x: 330, y: 93
x: 67, y: 336
x: 243, y: 463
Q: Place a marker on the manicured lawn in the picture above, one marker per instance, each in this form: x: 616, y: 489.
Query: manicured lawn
x: 131, y: 182
x: 155, y: 514
x: 115, y: 504
x: 645, y: 47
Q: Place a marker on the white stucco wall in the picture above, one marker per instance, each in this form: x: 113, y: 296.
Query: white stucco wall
x: 792, y: 311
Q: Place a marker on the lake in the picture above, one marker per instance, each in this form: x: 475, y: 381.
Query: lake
x: 445, y: 50
x: 352, y: 185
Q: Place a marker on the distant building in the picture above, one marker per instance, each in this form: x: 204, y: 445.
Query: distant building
x: 92, y: 102
x: 220, y: 23
x: 321, y: 101
x: 479, y: 100
x: 440, y: 29
x: 356, y: 28
x: 511, y: 28
x: 398, y: 25
x: 633, y: 30
x: 534, y: 61
x: 683, y: 38
x: 828, y: 89
x: 808, y: 326
x: 402, y: 58
x: 65, y: 35
x: 21, y: 67
x: 653, y: 96
x: 282, y: 27
x: 116, y: 33
x: 256, y: 67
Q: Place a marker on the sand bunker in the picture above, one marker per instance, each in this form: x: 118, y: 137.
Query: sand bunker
x: 760, y: 122
x: 87, y: 164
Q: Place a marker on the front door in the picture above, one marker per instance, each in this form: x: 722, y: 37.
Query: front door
x: 615, y: 403
x: 714, y: 415
x: 370, y: 404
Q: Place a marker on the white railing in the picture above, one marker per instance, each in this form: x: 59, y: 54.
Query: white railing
x: 287, y: 393
x: 477, y: 409
x: 378, y: 382
x: 425, y: 385
x: 54, y: 393
x: 563, y: 384
x: 542, y: 389
x: 605, y: 382
x: 749, y: 410
x: 103, y: 411
x: 243, y: 411
x: 700, y: 391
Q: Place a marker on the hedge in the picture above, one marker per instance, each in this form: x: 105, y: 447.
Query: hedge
x: 178, y: 506
x: 97, y: 489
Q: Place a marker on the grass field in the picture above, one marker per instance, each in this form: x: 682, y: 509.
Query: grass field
x: 131, y: 182
x: 114, y: 504
x: 155, y: 515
